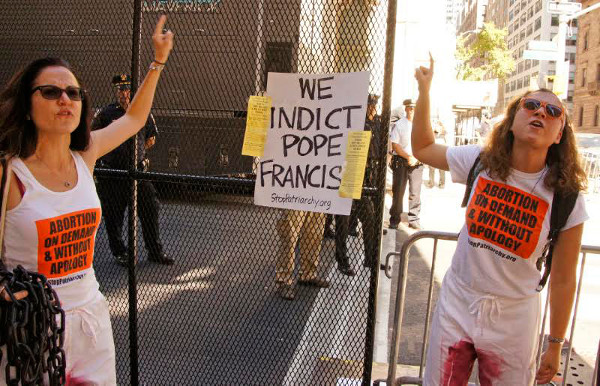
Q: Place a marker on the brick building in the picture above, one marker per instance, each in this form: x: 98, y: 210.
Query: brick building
x: 586, y: 100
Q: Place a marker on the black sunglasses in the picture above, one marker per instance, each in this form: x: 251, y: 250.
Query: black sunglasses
x: 51, y: 92
x: 533, y: 105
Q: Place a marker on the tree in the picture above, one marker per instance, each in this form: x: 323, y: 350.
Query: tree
x: 487, y: 54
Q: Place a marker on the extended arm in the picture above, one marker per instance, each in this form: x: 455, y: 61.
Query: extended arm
x: 105, y: 140
x: 423, y: 139
x: 563, y: 280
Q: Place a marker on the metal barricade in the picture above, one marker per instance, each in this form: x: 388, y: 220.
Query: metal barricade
x: 403, y: 255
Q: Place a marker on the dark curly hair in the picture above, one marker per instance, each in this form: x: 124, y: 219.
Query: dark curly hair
x: 565, y: 172
x: 18, y: 135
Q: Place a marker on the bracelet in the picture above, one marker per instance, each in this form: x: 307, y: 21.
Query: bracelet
x: 161, y: 63
x: 552, y: 339
x: 157, y: 67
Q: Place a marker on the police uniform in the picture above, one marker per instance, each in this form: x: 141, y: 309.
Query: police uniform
x: 115, y: 193
x: 364, y: 208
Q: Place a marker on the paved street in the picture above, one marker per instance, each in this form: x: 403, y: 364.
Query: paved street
x: 214, y: 317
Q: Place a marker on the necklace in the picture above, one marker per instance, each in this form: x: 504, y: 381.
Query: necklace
x: 538, y: 180
x: 66, y: 183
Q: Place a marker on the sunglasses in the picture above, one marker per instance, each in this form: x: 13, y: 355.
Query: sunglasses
x: 532, y: 105
x: 51, y: 92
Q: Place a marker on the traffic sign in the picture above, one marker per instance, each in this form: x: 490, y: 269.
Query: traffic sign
x: 543, y: 45
x: 540, y: 55
x: 563, y: 7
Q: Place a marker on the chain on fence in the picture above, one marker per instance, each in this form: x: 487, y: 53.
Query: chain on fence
x: 206, y: 306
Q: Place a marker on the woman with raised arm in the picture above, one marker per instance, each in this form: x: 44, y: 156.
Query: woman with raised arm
x: 53, y: 210
x: 489, y: 304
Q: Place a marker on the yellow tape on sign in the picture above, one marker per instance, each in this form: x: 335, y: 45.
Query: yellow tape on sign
x: 257, y: 124
x: 354, y: 167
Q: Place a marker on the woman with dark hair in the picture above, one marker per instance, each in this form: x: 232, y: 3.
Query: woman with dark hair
x: 489, y: 305
x: 53, y: 209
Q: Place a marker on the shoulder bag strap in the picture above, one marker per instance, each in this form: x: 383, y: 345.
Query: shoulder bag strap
x: 6, y: 166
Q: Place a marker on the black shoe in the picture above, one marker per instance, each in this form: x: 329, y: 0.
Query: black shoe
x: 122, y: 259
x: 393, y: 226
x: 162, y: 259
x: 346, y: 269
x: 415, y: 225
x: 314, y: 282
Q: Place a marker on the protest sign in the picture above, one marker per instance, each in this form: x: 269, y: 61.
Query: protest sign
x: 356, y: 160
x: 257, y: 124
x: 311, y: 116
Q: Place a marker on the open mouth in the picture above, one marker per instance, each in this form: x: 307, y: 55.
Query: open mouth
x: 536, y: 124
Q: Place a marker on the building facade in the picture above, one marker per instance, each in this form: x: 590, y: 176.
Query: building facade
x: 530, y: 20
x: 586, y: 100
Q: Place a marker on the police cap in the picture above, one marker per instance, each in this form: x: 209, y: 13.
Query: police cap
x: 122, y: 81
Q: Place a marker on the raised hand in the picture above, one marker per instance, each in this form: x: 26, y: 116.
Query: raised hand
x: 163, y: 42
x: 424, y: 76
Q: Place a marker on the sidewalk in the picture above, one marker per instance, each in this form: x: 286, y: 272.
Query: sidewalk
x: 441, y: 212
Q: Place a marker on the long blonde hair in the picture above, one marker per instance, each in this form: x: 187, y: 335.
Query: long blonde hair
x: 565, y: 173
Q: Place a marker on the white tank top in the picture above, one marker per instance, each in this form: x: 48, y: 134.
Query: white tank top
x: 53, y: 233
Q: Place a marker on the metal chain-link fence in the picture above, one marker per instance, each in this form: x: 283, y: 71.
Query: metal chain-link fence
x: 217, y: 315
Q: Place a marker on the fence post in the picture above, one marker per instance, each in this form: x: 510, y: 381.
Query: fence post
x: 385, y: 120
x: 132, y: 231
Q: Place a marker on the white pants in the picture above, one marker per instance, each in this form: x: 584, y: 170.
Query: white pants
x: 89, y: 346
x: 501, y: 333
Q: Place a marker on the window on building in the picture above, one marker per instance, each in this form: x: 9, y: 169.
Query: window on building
x: 569, y: 98
x: 526, y: 81
x: 585, y: 41
x: 510, y: 15
x: 522, y: 36
x: 583, y: 76
x: 580, y: 116
x: 523, y: 18
x: 530, y: 30
x: 538, y: 23
x: 512, y: 85
x: 506, y: 87
x: 527, y: 64
x: 530, y: 13
x: 598, y: 72
x: 521, y: 52
x: 538, y: 6
x: 597, y: 115
x: 535, y: 63
x: 510, y: 29
x: 554, y: 22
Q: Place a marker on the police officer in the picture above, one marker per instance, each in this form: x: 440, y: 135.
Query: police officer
x: 364, y: 208
x: 115, y: 193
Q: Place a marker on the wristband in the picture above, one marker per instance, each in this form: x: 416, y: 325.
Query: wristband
x: 157, y: 67
x: 552, y: 339
x: 161, y: 63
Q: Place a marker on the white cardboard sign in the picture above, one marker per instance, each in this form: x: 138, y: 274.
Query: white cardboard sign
x: 311, y: 116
